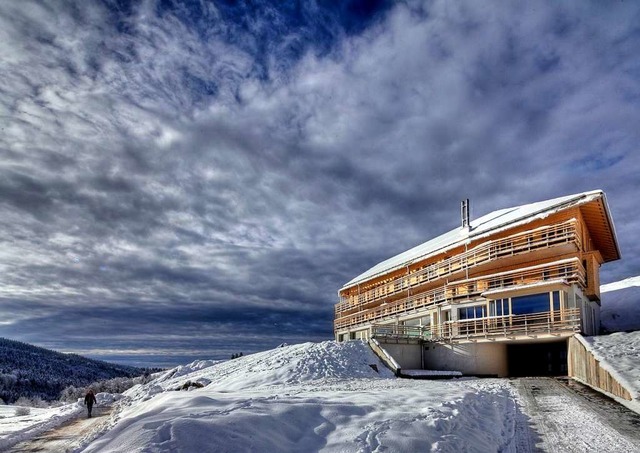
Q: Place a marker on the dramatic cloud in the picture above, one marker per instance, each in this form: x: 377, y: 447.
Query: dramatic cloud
x: 191, y: 179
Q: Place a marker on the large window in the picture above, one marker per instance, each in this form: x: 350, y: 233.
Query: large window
x: 472, y: 312
x: 532, y: 303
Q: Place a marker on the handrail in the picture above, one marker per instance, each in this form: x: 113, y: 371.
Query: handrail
x: 571, y: 271
x: 516, y: 244
x: 529, y: 324
x: 488, y: 327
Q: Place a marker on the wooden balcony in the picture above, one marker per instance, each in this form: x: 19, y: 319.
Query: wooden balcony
x: 518, y: 244
x: 571, y: 271
x: 491, y: 328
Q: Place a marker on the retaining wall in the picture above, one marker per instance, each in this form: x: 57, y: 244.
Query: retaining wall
x: 584, y: 367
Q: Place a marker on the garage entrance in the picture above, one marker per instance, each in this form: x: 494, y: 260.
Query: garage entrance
x: 537, y: 359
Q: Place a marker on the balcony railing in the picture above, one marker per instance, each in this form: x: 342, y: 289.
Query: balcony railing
x: 552, y: 323
x: 570, y: 270
x: 540, y: 238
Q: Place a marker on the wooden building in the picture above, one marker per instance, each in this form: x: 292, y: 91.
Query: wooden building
x: 521, y: 276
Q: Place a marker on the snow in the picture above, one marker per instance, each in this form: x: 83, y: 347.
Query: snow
x: 323, y: 397
x: 622, y: 284
x: 284, y: 365
x: 428, y: 373
x: 563, y: 417
x: 388, y: 357
x: 327, y: 397
x: 488, y: 224
x: 620, y: 305
x: 619, y: 353
x: 310, y: 397
x: 14, y: 429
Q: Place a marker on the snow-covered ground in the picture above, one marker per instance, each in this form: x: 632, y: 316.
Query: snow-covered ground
x: 619, y: 353
x: 310, y: 397
x: 322, y: 397
x: 621, y: 305
x: 337, y: 397
x: 15, y: 428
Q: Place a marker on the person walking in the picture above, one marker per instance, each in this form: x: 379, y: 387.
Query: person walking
x: 89, y: 401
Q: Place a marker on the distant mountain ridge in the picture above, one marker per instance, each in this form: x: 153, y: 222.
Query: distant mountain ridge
x: 620, y: 303
x: 35, y: 372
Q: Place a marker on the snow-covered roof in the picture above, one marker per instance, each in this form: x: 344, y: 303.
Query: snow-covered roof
x: 485, y: 225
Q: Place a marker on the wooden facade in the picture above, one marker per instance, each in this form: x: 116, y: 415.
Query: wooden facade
x: 534, y: 272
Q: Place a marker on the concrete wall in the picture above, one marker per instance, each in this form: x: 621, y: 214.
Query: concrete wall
x: 384, y: 356
x: 407, y: 355
x: 468, y: 358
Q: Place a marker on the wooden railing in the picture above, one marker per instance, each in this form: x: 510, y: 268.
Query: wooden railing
x: 539, y: 238
x: 514, y: 325
x: 570, y: 271
x: 565, y: 321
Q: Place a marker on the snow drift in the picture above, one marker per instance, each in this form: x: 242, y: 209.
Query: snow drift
x: 309, y: 397
x: 620, y: 354
x: 284, y: 365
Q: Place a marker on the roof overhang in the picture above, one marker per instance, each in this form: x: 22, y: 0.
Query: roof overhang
x: 519, y: 290
x: 593, y: 206
x: 598, y: 219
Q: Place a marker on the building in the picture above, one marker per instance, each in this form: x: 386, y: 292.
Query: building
x: 499, y: 295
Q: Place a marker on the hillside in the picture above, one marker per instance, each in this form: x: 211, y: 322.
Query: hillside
x: 621, y: 305
x: 308, y: 397
x: 34, y: 372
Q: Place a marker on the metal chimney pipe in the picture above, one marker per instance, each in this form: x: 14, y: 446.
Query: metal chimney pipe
x: 464, y: 213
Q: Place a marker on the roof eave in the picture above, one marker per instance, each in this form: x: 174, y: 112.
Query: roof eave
x: 580, y: 199
x: 612, y: 227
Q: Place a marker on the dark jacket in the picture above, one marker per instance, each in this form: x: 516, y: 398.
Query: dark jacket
x: 90, y: 399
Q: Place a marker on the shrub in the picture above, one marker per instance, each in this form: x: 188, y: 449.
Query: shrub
x: 187, y: 385
x: 21, y: 410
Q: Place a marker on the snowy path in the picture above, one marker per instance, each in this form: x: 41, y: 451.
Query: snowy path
x: 67, y: 437
x: 568, y: 417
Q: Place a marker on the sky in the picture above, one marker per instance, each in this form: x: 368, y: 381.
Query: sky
x: 193, y: 179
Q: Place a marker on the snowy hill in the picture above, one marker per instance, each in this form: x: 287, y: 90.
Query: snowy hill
x: 308, y: 397
x: 293, y: 364
x: 31, y: 371
x: 326, y: 397
x: 621, y: 305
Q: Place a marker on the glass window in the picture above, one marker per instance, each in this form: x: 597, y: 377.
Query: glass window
x: 471, y: 312
x: 499, y: 307
x: 556, y: 300
x: 532, y: 303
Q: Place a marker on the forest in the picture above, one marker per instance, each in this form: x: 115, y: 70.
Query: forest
x: 37, y: 373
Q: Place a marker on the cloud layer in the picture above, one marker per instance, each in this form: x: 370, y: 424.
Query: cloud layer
x: 184, y: 179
